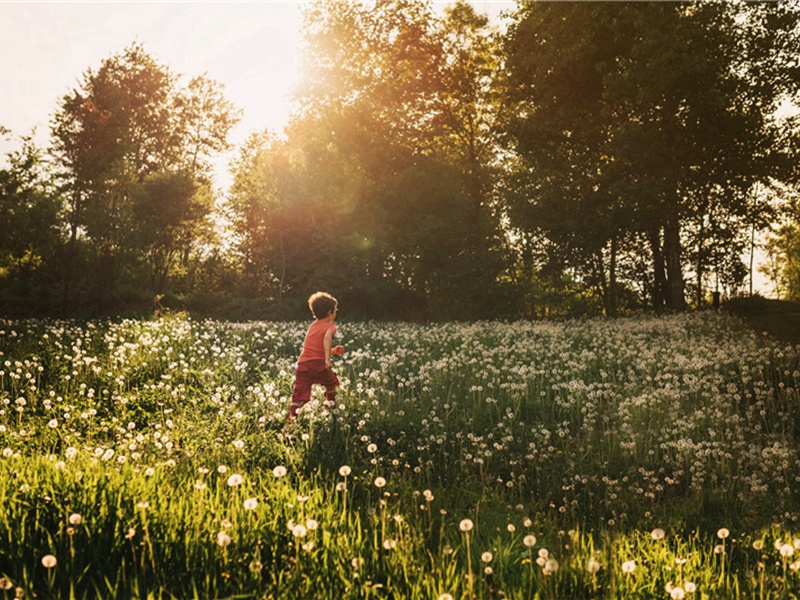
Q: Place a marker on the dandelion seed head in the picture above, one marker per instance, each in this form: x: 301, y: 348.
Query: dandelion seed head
x: 49, y: 561
x: 629, y: 566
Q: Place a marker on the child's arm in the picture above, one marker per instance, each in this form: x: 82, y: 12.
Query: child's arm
x: 326, y: 346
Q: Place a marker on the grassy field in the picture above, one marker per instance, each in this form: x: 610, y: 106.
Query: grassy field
x: 643, y: 457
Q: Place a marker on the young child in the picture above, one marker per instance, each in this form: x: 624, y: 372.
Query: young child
x: 314, y: 364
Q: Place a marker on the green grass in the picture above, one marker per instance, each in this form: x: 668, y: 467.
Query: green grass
x: 593, y: 436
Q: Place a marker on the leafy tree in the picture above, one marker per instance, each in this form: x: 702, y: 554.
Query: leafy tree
x: 29, y: 219
x: 169, y: 210
x: 128, y: 121
x: 628, y: 127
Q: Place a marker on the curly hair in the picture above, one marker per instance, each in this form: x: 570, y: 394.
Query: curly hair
x: 321, y: 304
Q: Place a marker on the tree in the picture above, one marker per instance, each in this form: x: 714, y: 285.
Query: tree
x: 128, y: 121
x: 29, y: 219
x: 642, y: 115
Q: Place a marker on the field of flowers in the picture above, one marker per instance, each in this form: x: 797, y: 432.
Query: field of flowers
x: 643, y: 457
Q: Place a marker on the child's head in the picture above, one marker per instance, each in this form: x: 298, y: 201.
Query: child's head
x: 322, y: 304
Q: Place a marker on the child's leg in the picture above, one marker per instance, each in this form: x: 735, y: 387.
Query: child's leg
x: 331, y: 382
x: 301, y: 394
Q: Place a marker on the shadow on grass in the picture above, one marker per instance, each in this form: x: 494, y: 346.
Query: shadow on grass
x: 779, y: 318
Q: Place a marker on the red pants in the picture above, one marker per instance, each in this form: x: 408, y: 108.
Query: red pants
x: 308, y: 373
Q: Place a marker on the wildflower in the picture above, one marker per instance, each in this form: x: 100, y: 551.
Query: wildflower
x: 357, y: 562
x: 529, y: 540
x: 75, y: 519
x: 719, y: 549
x: 5, y: 584
x: 299, y: 531
x: 149, y: 472
x: 143, y: 504
x: 71, y: 453
x: 234, y: 480
x: 629, y: 566
x: 52, y: 423
x: 199, y: 484
x: 593, y: 566
x: 488, y: 570
x: 550, y: 566
x: 690, y: 587
x: 389, y: 544
x: 130, y: 534
x: 345, y: 470
x: 787, y: 550
x: 723, y: 533
x: 238, y: 444
x: 7, y: 452
x: 758, y: 545
x: 250, y: 504
x: 677, y: 593
x: 487, y: 557
x: 372, y: 448
x: 445, y: 596
x: 279, y: 471
x: 49, y: 561
x: 341, y: 486
x: 466, y: 525
x: 511, y: 528
x: 222, y: 469
x: 312, y: 525
x: 380, y: 482
x: 657, y: 534
x: 223, y: 539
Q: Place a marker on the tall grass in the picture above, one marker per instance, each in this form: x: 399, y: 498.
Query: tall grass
x: 635, y: 458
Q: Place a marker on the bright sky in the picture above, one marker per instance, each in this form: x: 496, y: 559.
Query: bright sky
x: 253, y: 48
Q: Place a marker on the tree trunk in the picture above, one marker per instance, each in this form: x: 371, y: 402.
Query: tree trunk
x: 659, y: 276
x: 611, y: 309
x: 700, y: 262
x: 672, y: 252
x: 71, y: 252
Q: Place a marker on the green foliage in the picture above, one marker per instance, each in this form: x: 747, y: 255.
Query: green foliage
x: 120, y: 137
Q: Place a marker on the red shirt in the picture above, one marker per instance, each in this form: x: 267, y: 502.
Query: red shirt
x: 312, y: 346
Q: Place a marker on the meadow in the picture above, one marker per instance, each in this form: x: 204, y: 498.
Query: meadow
x: 641, y: 457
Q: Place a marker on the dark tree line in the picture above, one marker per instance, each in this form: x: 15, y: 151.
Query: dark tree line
x: 594, y: 157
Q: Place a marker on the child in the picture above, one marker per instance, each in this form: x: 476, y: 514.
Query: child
x: 314, y: 364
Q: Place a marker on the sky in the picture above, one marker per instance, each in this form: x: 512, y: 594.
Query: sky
x: 252, y: 48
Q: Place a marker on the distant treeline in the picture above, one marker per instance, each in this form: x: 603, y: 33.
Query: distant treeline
x: 595, y: 157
